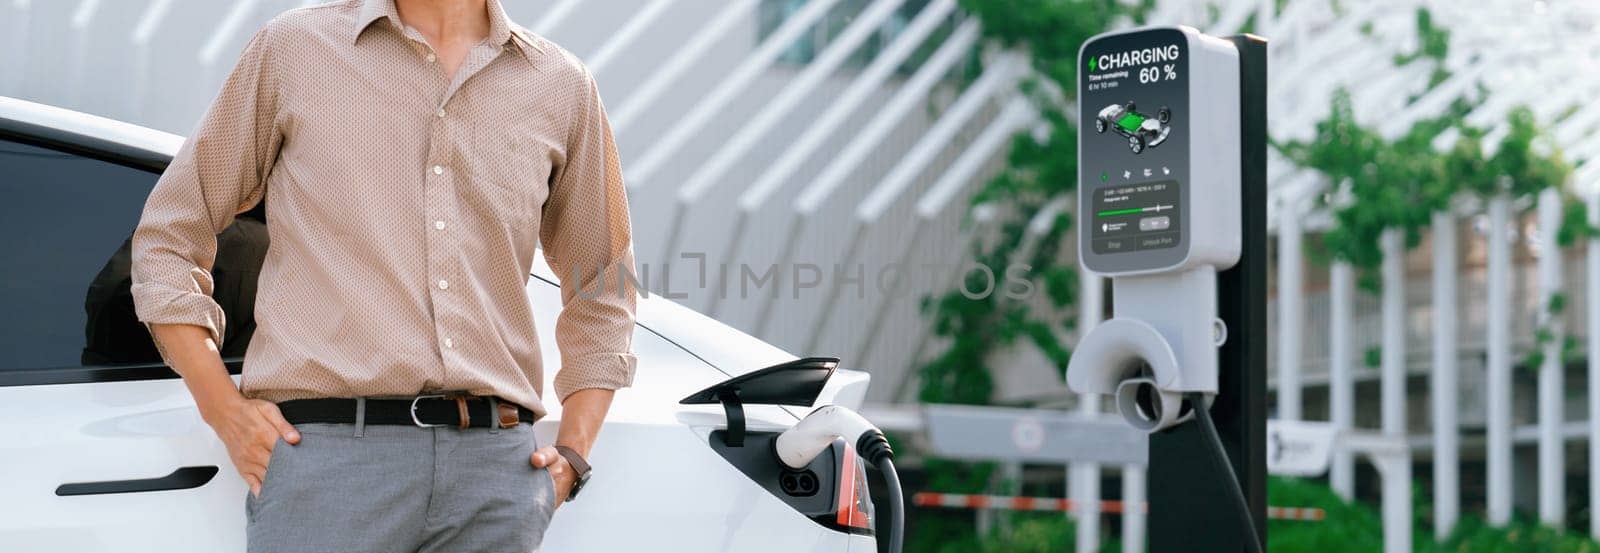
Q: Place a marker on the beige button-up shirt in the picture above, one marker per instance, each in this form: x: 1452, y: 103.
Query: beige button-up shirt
x: 404, y: 207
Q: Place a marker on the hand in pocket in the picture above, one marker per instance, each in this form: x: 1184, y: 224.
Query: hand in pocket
x: 561, y: 474
x: 250, y: 430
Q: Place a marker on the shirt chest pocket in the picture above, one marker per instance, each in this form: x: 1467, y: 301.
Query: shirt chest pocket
x: 512, y: 174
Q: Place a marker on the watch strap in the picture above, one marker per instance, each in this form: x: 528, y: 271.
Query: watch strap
x: 573, y: 458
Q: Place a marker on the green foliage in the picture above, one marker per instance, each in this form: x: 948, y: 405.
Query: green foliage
x: 949, y: 530
x: 1029, y: 533
x: 1472, y: 535
x: 943, y: 531
x: 1379, y: 183
x: 1052, y: 30
x: 1347, y: 527
x: 1575, y: 223
x: 1433, y: 42
x: 1357, y: 527
x: 1527, y: 158
x: 1033, y: 533
x: 1038, y: 171
x: 1544, y: 334
x: 1384, y: 184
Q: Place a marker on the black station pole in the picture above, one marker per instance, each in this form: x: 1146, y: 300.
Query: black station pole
x: 1190, y: 508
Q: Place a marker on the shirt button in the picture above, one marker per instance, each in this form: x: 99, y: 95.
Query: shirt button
x: 438, y: 225
x: 431, y: 57
x: 440, y: 113
x: 444, y: 285
x: 449, y: 343
x: 437, y: 170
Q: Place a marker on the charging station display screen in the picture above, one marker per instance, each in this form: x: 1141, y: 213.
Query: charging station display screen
x: 1133, y: 97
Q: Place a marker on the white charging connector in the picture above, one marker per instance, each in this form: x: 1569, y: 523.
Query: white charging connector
x: 799, y: 445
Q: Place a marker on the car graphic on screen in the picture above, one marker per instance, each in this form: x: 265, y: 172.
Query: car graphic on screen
x: 1142, y: 130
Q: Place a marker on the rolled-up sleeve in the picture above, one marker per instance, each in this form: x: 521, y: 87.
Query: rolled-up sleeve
x: 588, y: 242
x: 218, y: 173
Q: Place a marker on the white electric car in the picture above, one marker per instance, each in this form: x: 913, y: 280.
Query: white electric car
x: 102, y: 449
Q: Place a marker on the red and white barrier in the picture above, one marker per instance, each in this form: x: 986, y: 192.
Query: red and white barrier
x: 1055, y: 504
x: 1296, y: 513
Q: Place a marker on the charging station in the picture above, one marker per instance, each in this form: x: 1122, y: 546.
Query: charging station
x: 1172, y: 162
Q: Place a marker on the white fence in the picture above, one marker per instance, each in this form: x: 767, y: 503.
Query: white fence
x: 1430, y: 327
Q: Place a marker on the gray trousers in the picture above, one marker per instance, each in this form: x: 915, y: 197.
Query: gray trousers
x: 388, y: 488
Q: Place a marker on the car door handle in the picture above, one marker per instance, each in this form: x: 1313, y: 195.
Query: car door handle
x: 181, y: 479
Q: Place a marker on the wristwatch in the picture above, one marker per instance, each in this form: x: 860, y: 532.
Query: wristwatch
x: 578, y: 465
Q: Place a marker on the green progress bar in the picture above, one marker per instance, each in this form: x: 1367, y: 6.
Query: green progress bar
x: 1120, y: 211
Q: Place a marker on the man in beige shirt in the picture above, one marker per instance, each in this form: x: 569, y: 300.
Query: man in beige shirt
x: 412, y: 154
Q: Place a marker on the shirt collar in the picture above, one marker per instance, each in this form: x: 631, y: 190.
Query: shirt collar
x: 373, y: 10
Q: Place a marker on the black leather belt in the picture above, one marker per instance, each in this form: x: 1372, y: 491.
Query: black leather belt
x: 458, y: 410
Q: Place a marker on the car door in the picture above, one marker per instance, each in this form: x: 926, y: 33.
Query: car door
x: 101, y: 447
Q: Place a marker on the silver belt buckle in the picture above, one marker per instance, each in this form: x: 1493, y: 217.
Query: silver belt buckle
x: 414, y: 419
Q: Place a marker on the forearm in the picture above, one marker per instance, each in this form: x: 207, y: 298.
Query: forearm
x: 588, y: 241
x: 195, y: 357
x: 582, y: 414
x: 247, y: 428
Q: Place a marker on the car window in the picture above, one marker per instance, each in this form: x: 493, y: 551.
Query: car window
x: 66, y: 222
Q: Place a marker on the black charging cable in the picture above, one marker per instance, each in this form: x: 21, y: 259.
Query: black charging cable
x: 875, y: 449
x: 1197, y: 402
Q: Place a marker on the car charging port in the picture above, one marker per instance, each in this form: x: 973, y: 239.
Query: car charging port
x: 799, y: 483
